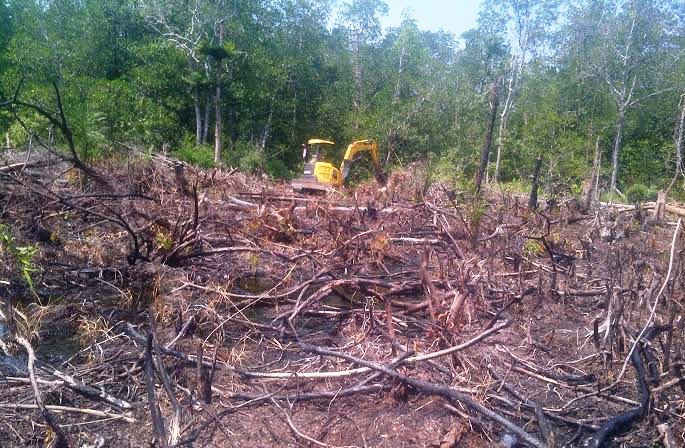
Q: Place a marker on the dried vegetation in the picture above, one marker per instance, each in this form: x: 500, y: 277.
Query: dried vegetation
x: 211, y: 308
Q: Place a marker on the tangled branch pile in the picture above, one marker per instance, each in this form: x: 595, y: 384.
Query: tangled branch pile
x: 199, y: 308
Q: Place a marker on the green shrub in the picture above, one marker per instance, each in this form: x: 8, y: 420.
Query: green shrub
x: 611, y: 197
x: 246, y: 156
x: 640, y: 193
x: 277, y: 169
x: 21, y: 258
x: 198, y: 155
x: 515, y: 186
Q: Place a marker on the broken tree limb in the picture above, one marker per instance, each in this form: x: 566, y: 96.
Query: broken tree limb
x: 667, y: 435
x: 433, y: 389
x: 623, y: 422
x: 60, y: 440
x: 84, y: 389
x: 175, y: 430
x: 155, y: 412
x: 669, y: 208
x: 654, y: 307
x: 69, y: 409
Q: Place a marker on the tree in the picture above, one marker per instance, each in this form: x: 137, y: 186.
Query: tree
x: 196, y: 27
x: 362, y: 25
x: 529, y: 24
x: 630, y: 56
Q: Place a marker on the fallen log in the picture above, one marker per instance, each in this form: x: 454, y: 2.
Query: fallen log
x: 669, y: 208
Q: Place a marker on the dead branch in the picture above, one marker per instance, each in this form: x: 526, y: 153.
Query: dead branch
x: 624, y: 421
x: 60, y: 440
x: 155, y: 412
x: 434, y: 389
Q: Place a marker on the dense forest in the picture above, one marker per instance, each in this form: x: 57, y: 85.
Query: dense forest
x: 246, y: 82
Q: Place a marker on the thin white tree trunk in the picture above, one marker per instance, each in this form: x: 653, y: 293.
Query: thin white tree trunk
x: 680, y: 130
x: 395, y: 101
x: 504, y: 117
x: 620, y: 122
x: 198, y: 115
x: 357, y: 100
x: 267, y: 128
x: 205, y: 127
x: 217, y: 105
x: 217, y: 123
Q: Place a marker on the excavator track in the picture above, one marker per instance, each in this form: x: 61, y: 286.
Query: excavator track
x: 309, y: 186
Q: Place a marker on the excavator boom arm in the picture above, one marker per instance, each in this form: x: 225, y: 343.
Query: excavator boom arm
x: 353, y: 150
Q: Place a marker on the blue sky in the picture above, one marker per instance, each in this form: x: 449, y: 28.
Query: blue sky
x: 455, y: 16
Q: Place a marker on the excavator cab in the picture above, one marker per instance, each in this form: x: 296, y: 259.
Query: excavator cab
x: 321, y: 176
x: 316, y: 169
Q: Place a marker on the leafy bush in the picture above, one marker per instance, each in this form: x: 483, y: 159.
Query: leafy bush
x: 611, y: 197
x: 277, y: 168
x: 251, y: 161
x: 21, y: 258
x: 640, y: 193
x: 18, y: 135
x: 515, y: 185
x: 197, y: 155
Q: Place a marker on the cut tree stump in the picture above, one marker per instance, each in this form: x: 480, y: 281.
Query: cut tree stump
x: 660, y: 207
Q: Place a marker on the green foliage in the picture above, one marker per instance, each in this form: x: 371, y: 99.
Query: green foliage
x: 612, y: 197
x: 533, y: 248
x: 20, y: 256
x: 197, y: 155
x: 147, y: 71
x: 88, y: 128
x: 246, y: 156
x: 640, y: 193
x: 277, y: 168
x: 515, y: 186
x: 476, y: 211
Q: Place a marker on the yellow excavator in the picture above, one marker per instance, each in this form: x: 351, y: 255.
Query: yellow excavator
x: 320, y: 175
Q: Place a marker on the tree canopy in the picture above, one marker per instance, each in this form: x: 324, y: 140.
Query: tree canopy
x: 245, y: 82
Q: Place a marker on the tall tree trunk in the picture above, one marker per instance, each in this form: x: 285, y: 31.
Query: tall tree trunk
x: 294, y: 121
x: 392, y: 132
x: 267, y: 128
x: 485, y: 153
x: 620, y: 122
x: 680, y: 130
x: 198, y: 115
x: 504, y: 118
x: 217, y: 123
x: 594, y: 178
x: 217, y: 104
x: 533, y: 199
x: 357, y: 99
x: 208, y: 112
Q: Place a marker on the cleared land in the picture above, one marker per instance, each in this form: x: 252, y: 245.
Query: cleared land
x: 415, y: 316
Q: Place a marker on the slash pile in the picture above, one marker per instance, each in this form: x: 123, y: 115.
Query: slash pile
x: 182, y: 307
